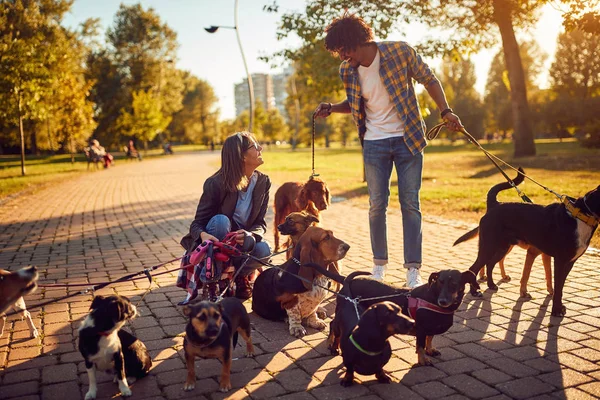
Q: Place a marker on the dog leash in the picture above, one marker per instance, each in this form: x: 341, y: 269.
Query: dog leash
x: 314, y: 174
x: 575, y: 212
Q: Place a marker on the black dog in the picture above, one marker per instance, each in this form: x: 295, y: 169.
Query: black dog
x: 364, y: 342
x: 432, y: 306
x: 212, y: 332
x: 552, y: 229
x: 105, y: 346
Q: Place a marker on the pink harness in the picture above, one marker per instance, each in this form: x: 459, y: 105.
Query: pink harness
x: 414, y: 304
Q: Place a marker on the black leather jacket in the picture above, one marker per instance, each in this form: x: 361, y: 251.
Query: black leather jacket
x: 215, y: 200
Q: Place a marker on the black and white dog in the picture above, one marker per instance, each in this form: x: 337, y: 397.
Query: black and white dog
x: 560, y: 230
x: 107, y: 347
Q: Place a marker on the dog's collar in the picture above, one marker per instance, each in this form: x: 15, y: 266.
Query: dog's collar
x: 591, y: 220
x: 105, y: 333
x: 294, y: 259
x: 415, y: 304
x: 359, y: 348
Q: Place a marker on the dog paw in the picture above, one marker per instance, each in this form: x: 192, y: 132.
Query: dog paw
x: 189, y: 386
x: 126, y: 392
x: 297, y: 331
x: 506, y: 278
x: 559, y: 311
x: 424, y: 361
x: 526, y: 296
x: 34, y: 333
x: 493, y: 287
x: 382, y: 377
x: 433, y: 352
x: 477, y: 294
x: 333, y: 351
x: 318, y: 325
x: 347, y: 382
x: 321, y: 312
x: 225, y: 387
x: 482, y: 278
x: 90, y: 395
x: 550, y: 291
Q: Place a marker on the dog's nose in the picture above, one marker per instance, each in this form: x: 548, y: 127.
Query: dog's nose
x: 346, y: 247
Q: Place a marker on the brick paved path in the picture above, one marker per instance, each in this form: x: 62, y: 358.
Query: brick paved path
x: 109, y: 223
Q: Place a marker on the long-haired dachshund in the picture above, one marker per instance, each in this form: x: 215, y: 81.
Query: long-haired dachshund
x: 295, y: 196
x: 553, y: 230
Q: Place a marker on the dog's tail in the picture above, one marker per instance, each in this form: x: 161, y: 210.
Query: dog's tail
x: 492, y: 201
x: 467, y: 236
x: 332, y: 275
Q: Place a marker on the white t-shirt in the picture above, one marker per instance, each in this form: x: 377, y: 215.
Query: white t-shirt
x: 382, y: 118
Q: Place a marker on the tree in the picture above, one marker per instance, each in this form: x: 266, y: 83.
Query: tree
x: 146, y: 120
x: 497, y: 91
x: 27, y: 33
x: 139, y: 57
x: 195, y: 122
x: 473, y: 25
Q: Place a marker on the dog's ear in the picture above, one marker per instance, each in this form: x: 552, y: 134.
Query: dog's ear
x: 327, y: 194
x: 308, y: 254
x: 312, y: 219
x: 302, y: 199
x: 99, y: 299
x: 433, y: 278
x: 187, y: 310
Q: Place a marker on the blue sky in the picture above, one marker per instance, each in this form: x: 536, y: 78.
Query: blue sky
x: 216, y: 57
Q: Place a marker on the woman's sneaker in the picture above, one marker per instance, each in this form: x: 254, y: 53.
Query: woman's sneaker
x: 379, y: 272
x: 413, y: 278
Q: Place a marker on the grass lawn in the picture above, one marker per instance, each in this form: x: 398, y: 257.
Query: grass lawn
x: 43, y: 170
x: 456, y: 178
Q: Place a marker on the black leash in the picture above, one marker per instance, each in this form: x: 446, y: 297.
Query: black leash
x: 314, y: 174
x: 433, y: 133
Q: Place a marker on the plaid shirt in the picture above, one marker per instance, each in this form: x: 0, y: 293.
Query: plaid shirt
x: 400, y: 64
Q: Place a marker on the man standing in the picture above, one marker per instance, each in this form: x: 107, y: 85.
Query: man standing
x: 378, y: 79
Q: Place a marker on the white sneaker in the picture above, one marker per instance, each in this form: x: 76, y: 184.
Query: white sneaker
x: 379, y: 272
x: 413, y: 278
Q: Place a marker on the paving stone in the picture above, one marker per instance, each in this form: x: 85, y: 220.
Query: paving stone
x: 491, y: 376
x: 524, y: 388
x: 59, y: 373
x: 432, y: 390
x: 469, y: 386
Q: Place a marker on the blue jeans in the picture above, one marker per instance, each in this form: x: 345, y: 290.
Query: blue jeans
x: 379, y: 157
x: 219, y: 226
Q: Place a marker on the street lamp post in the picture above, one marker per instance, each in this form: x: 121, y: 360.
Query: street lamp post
x: 213, y: 29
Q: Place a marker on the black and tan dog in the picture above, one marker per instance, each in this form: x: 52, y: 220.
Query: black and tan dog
x: 560, y: 230
x: 432, y: 305
x: 106, y: 347
x: 278, y: 294
x: 212, y: 332
x: 364, y: 342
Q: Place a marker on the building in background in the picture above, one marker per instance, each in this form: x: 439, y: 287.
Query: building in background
x: 270, y: 90
x: 280, y: 82
x: 263, y: 92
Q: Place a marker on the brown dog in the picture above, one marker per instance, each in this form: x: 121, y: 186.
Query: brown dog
x: 212, y: 332
x: 295, y: 196
x: 13, y: 286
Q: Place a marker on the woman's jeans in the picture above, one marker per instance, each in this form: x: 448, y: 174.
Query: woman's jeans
x: 219, y: 226
x: 379, y: 157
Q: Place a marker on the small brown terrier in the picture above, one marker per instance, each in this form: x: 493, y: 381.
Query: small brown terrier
x: 212, y: 332
x: 295, y: 196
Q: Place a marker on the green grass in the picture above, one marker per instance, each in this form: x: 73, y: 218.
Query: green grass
x: 456, y: 178
x: 44, y: 170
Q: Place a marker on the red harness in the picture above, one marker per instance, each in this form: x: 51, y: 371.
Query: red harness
x: 414, y: 304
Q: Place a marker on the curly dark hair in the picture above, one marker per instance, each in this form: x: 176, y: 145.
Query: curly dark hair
x: 347, y: 32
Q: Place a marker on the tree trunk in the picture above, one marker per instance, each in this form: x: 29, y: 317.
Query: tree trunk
x: 523, y: 132
x: 22, y: 134
x: 33, y: 139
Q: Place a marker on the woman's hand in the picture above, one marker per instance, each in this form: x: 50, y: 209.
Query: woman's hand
x: 204, y: 236
x: 323, y: 110
x: 240, y: 235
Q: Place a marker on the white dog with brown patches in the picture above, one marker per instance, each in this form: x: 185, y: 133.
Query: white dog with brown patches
x: 13, y: 286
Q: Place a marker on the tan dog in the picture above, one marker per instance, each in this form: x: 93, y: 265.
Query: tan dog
x: 295, y: 196
x: 13, y: 286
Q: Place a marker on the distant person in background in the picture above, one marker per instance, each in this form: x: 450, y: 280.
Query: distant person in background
x: 99, y: 153
x: 132, y: 151
x: 167, y: 148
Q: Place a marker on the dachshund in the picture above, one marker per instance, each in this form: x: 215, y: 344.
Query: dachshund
x: 559, y: 230
x: 295, y: 196
x: 278, y: 294
x: 212, y: 332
